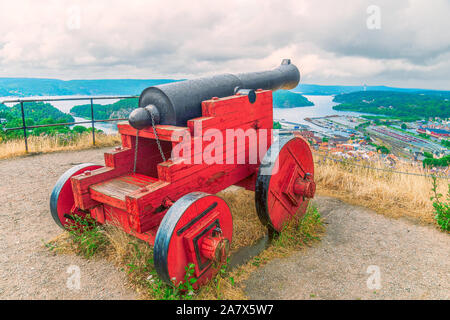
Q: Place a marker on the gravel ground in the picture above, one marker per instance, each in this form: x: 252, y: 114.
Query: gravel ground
x: 27, y: 269
x: 413, y: 261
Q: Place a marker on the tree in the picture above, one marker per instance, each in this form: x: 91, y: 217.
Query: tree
x: 383, y: 149
x: 428, y: 155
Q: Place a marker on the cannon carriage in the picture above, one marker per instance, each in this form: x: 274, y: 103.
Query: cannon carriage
x: 176, y: 154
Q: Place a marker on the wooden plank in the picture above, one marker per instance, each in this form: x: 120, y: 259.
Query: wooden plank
x: 165, y: 132
x: 121, y: 186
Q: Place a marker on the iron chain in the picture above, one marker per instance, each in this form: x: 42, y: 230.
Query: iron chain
x: 157, y: 138
x: 136, y: 151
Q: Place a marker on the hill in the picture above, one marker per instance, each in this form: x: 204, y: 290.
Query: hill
x: 23, y: 87
x: 119, y: 109
x: 36, y: 113
x: 288, y: 99
x: 314, y: 89
x: 400, y: 104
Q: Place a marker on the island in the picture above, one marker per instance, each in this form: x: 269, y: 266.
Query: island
x: 418, y: 105
x: 289, y: 99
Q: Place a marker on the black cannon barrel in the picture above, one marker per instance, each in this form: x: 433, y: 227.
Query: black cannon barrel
x: 175, y: 103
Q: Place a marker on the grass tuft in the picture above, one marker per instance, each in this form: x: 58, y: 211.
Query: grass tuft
x: 47, y: 144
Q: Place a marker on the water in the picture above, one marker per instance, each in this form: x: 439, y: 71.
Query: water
x: 323, y: 106
x: 106, y: 127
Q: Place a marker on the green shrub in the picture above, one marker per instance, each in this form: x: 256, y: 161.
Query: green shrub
x: 441, y: 208
x: 86, y: 235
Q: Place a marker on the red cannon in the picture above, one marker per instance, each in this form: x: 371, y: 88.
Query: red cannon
x: 160, y: 185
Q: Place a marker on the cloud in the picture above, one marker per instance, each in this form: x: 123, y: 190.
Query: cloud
x: 329, y: 40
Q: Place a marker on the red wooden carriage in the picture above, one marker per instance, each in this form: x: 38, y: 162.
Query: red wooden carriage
x: 171, y: 203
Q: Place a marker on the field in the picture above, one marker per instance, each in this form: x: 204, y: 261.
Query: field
x: 392, y: 194
x: 47, y: 144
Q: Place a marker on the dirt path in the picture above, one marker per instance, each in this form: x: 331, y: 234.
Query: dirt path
x: 413, y: 261
x: 27, y: 269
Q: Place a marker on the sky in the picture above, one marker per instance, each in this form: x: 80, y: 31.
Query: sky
x: 402, y: 43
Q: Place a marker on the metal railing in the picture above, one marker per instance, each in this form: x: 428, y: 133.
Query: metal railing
x: 24, y: 127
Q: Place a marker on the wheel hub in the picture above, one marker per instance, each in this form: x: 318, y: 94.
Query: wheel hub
x: 305, y: 188
x: 215, y: 248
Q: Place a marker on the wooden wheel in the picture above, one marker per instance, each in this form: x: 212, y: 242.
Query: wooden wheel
x: 61, y: 200
x: 196, y: 229
x: 285, y: 182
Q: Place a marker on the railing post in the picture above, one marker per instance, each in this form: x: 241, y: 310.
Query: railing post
x: 93, y: 123
x: 24, y: 127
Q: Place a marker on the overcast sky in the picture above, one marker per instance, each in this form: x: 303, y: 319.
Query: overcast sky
x: 405, y: 43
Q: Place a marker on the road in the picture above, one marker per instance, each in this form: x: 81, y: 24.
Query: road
x: 362, y: 255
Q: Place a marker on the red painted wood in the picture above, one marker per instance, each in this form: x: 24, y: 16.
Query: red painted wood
x: 248, y: 183
x: 182, y: 244
x: 294, y: 161
x: 138, y: 202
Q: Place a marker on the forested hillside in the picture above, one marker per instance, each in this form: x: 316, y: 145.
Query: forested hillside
x: 25, y: 87
x: 424, y: 105
x: 288, y: 99
x: 36, y: 113
x: 119, y: 109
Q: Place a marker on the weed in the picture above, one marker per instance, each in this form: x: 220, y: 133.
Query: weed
x: 441, y: 208
x: 86, y: 235
x: 181, y: 291
x: 299, y: 231
x: 51, y: 245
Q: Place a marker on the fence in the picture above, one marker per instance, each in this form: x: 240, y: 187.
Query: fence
x: 323, y: 157
x: 24, y: 127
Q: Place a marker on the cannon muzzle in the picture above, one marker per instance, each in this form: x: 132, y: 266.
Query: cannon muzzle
x: 177, y: 102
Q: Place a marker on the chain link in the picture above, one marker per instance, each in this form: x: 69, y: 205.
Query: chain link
x: 157, y: 138
x: 136, y: 151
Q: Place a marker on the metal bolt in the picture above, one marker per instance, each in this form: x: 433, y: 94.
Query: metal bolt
x: 216, y: 232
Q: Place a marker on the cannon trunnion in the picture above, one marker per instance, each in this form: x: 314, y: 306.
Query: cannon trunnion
x: 146, y: 189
